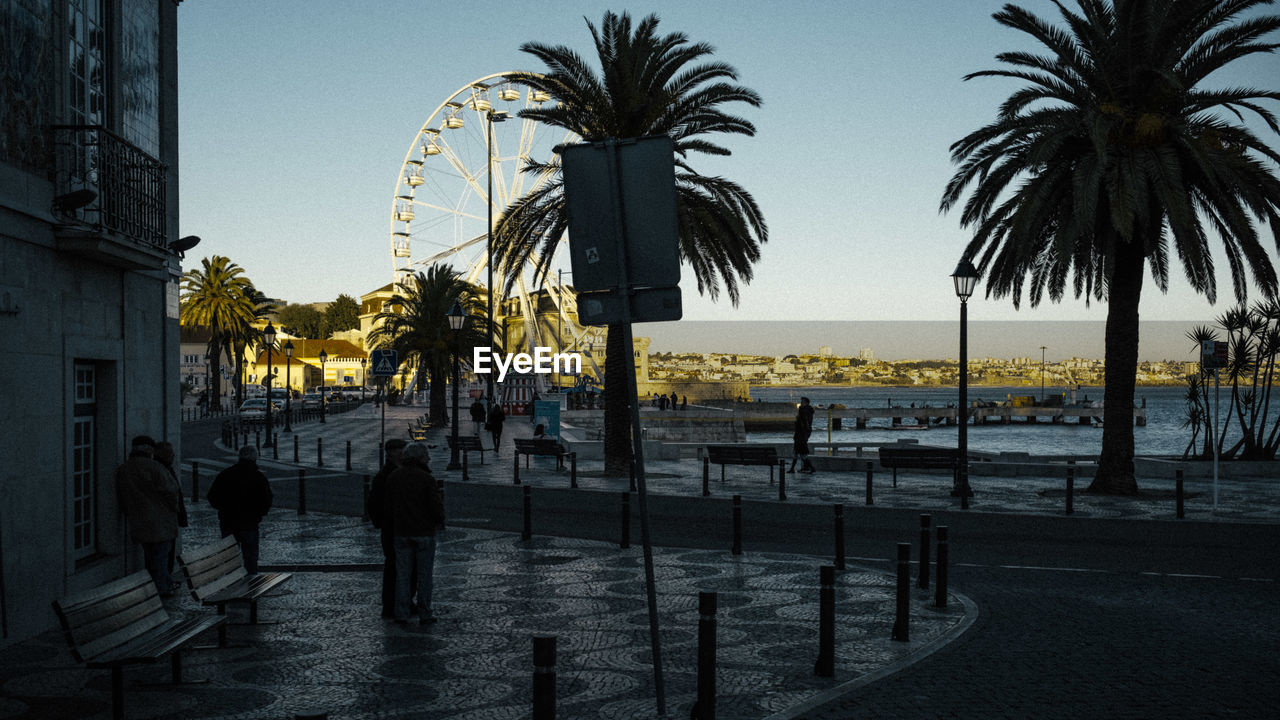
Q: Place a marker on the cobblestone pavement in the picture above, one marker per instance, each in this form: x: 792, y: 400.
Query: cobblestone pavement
x: 330, y: 650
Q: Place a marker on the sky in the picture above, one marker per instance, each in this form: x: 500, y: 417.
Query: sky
x: 297, y: 117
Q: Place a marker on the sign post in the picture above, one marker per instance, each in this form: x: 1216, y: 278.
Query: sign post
x: 1214, y: 355
x: 384, y: 364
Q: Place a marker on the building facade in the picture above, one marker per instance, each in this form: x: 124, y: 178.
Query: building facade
x: 88, y: 284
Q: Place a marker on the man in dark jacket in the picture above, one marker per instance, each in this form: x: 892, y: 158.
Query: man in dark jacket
x: 496, y: 419
x: 149, y: 499
x: 380, y: 516
x: 417, y: 511
x: 477, y: 415
x: 242, y: 497
x: 804, y: 427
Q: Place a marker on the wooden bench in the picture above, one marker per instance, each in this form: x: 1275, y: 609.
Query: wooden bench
x: 123, y: 623
x: 544, y: 447
x: 743, y: 455
x: 216, y: 576
x: 468, y: 443
x: 921, y: 458
x: 417, y: 434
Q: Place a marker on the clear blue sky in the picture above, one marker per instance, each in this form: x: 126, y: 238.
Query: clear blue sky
x: 296, y: 117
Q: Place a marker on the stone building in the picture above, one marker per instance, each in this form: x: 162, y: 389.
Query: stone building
x: 89, y: 253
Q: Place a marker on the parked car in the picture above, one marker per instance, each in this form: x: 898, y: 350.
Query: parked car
x: 256, y: 408
x: 279, y: 395
x: 311, y: 401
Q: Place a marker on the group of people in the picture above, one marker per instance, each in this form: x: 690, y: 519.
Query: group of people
x: 674, y: 402
x: 150, y: 497
x: 491, y: 420
x: 405, y: 504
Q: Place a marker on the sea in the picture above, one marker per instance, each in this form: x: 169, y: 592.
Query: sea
x: 1164, y: 434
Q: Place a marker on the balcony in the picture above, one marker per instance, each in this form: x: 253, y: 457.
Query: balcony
x: 125, y: 224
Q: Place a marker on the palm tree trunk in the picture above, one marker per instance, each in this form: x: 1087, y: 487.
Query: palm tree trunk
x: 1115, y: 465
x: 437, y: 400
x: 617, y: 408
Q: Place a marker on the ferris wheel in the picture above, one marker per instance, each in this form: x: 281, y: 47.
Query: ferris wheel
x: 474, y: 141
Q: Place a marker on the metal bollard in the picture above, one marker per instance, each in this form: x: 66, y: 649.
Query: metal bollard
x: 940, y: 597
x: 737, y: 524
x: 826, y: 664
x: 839, y: 508
x: 246, y: 438
x: 515, y: 476
x: 902, y: 618
x: 626, y: 521
x: 1177, y: 489
x: 544, y: 677
x: 706, y: 476
x: 257, y: 440
x: 528, y: 514
x: 705, y: 706
x: 870, y: 501
x: 925, y: 520
x: 573, y: 470
x: 466, y: 469
x: 368, y: 488
x: 1071, y: 490
x: 195, y: 481
x: 319, y: 452
x: 275, y: 446
x: 782, y: 483
x: 782, y: 471
x: 348, y: 454
x: 633, y: 476
x: 295, y: 449
x: 302, y: 491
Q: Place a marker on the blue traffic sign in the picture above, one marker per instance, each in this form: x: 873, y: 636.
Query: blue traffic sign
x: 384, y: 363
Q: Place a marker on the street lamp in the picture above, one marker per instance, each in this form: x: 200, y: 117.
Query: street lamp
x: 208, y: 385
x: 966, y: 279
x: 1042, y: 347
x: 456, y: 320
x: 323, y: 356
x: 494, y: 116
x: 269, y: 337
x: 288, y: 387
x: 364, y: 362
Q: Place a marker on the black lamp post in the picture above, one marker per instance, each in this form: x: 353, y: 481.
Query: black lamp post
x: 456, y: 320
x: 493, y: 117
x: 269, y: 337
x: 364, y: 362
x: 323, y: 357
x: 288, y: 387
x: 966, y: 279
x: 208, y: 386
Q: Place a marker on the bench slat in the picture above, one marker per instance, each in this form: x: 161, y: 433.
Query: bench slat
x: 533, y: 446
x: 159, y: 642
x: 250, y: 588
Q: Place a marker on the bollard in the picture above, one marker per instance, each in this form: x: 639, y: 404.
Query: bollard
x: 706, y: 476
x: 302, y: 491
x: 782, y: 471
x: 839, y: 508
x: 573, y: 470
x: 319, y: 452
x: 626, y: 521
x: 246, y: 438
x: 1071, y: 490
x: 368, y: 488
x: 379, y: 452
x: 633, y: 476
x: 902, y: 621
x: 275, y: 446
x: 544, y: 677
x: 1177, y: 489
x: 869, y: 500
x: 466, y: 469
x: 925, y: 520
x: 515, y: 476
x: 826, y: 664
x: 195, y: 481
x: 782, y: 483
x: 528, y: 514
x: 940, y: 598
x: 737, y: 524
x: 348, y: 454
x: 257, y: 440
x: 705, y: 706
x: 295, y: 450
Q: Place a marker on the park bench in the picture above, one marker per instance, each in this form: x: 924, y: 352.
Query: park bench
x: 417, y: 433
x: 743, y: 455
x: 545, y: 447
x: 921, y: 458
x: 124, y: 623
x: 216, y: 576
x: 468, y: 443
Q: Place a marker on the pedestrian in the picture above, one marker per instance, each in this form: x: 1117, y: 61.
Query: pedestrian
x: 662, y: 403
x: 675, y: 401
x: 164, y: 455
x: 684, y: 402
x: 477, y: 416
x: 149, y: 499
x: 380, y: 515
x: 417, y: 512
x: 496, y: 418
x: 242, y: 497
x: 803, y: 428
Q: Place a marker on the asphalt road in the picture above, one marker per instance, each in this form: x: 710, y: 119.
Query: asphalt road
x: 1079, y: 618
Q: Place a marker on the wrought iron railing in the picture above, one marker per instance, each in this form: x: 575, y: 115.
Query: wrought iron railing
x: 130, y: 184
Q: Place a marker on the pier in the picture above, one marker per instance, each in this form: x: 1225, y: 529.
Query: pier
x: 775, y: 415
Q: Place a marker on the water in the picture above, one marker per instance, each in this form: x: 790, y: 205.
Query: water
x: 1163, y: 434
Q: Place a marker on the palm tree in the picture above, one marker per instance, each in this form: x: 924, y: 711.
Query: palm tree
x: 246, y: 334
x: 416, y: 325
x: 220, y: 298
x: 648, y: 84
x: 1113, y: 158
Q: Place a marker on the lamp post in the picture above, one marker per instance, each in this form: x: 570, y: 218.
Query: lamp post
x: 966, y: 279
x: 456, y: 320
x: 493, y: 116
x: 269, y: 337
x: 288, y: 387
x: 1042, y: 347
x: 323, y: 356
x: 364, y: 362
x: 208, y: 384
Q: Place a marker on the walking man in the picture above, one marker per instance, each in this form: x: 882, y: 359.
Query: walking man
x: 242, y: 497
x: 496, y: 418
x: 380, y: 516
x: 149, y: 499
x: 417, y: 512
x: 804, y: 427
x: 477, y: 415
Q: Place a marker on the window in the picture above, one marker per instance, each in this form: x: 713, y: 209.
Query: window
x: 87, y: 38
x: 84, y: 475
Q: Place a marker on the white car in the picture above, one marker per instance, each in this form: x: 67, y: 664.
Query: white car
x: 254, y: 408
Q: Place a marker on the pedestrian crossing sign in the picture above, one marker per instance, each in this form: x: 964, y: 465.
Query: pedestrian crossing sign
x: 384, y: 363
